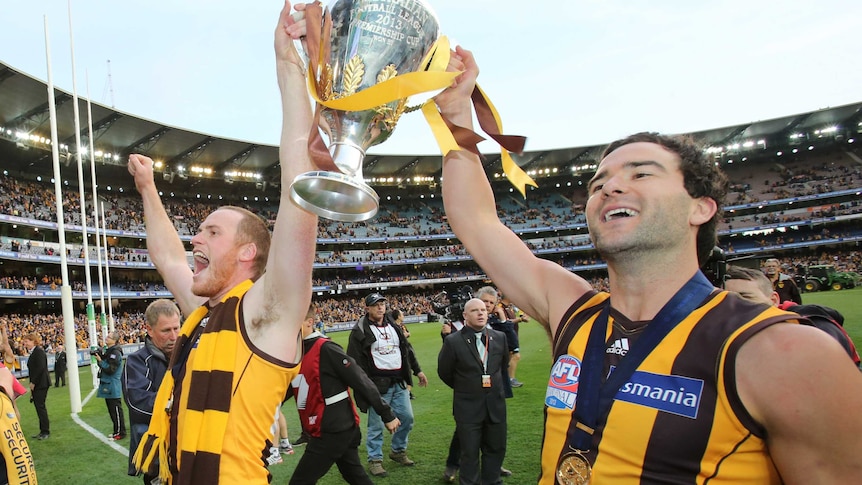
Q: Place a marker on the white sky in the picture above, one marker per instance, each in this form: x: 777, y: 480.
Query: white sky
x: 563, y: 73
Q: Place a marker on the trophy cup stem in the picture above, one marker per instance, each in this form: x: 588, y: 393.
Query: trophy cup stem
x: 342, y: 196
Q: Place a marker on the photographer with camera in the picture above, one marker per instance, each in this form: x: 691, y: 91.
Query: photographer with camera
x: 453, y: 310
x: 110, y: 362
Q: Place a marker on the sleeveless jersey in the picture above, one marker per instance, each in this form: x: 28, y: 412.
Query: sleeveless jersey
x: 678, y: 419
x: 258, y: 386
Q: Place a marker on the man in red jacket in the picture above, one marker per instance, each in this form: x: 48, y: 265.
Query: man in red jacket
x: 327, y: 413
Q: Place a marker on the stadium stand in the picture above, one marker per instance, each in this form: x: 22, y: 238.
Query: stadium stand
x: 795, y: 194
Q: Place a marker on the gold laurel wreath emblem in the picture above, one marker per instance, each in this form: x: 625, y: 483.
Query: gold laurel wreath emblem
x: 387, y: 115
x: 353, y: 73
x: 352, y: 79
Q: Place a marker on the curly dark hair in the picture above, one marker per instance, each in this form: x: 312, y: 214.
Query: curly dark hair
x: 701, y: 178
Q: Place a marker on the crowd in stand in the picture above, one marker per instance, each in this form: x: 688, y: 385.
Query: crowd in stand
x: 334, y: 309
x: 50, y: 328
x: 843, y: 261
x: 131, y: 325
x: 755, y: 183
x: 794, y: 177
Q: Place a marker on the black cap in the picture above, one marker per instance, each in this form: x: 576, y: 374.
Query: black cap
x: 373, y: 299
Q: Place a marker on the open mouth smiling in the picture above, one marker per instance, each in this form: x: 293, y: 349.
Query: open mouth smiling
x: 201, y: 261
x: 619, y: 214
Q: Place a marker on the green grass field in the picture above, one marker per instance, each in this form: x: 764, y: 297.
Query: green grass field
x: 72, y: 455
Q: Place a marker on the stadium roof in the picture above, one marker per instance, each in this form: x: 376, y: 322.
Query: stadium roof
x: 24, y: 108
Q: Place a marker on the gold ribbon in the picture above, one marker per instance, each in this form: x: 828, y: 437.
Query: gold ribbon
x: 399, y: 87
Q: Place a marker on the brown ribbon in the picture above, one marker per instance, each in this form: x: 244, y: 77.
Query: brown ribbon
x: 469, y: 139
x: 317, y: 26
x: 513, y: 143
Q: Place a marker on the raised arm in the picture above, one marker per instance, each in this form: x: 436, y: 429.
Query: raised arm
x: 542, y: 288
x: 164, y: 245
x: 284, y: 291
x: 5, y: 348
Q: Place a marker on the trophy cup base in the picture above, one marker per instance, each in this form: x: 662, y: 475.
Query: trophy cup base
x: 334, y: 196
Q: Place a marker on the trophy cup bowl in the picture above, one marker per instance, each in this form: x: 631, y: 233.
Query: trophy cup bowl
x: 371, y: 41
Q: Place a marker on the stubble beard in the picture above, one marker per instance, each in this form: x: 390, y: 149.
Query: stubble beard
x: 639, y: 246
x: 218, y: 278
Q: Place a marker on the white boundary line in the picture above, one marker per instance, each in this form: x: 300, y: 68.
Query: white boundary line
x: 93, y: 431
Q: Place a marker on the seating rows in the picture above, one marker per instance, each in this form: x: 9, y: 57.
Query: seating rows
x: 341, y: 266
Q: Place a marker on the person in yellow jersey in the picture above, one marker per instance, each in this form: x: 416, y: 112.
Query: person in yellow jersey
x: 665, y: 379
x: 244, y: 298
x: 16, y: 461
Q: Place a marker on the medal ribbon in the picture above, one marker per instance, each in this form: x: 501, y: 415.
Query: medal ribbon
x: 594, y: 398
x: 433, y: 77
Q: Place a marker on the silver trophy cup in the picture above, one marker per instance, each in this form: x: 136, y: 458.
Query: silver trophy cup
x: 371, y: 41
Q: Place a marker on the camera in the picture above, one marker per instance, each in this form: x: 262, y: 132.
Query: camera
x: 715, y: 268
x: 453, y: 309
x: 95, y: 351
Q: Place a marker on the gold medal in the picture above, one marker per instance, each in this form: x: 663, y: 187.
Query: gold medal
x: 574, y: 469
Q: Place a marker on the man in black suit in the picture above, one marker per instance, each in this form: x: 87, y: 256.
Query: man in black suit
x: 474, y: 362
x: 40, y: 381
x: 60, y: 367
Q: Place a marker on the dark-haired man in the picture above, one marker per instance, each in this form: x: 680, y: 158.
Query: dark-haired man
x: 382, y: 351
x: 244, y: 301
x: 712, y: 386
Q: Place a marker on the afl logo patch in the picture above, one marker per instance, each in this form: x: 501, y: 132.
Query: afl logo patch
x: 563, y: 383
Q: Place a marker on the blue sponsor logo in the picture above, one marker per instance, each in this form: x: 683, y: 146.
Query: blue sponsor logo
x: 673, y: 394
